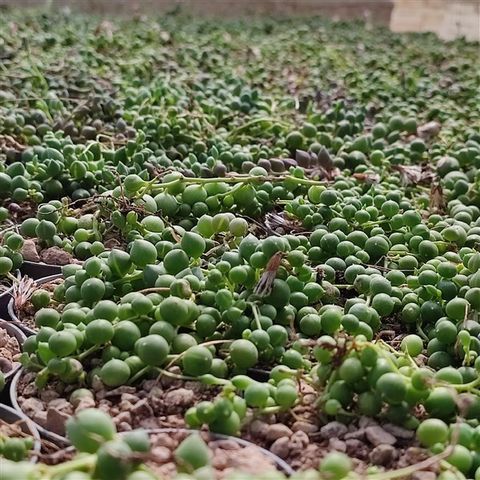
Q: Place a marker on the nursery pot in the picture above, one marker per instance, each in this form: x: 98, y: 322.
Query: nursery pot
x: 10, y: 415
x: 47, y: 434
x: 13, y: 331
x: 5, y: 296
x: 37, y: 270
x: 12, y: 314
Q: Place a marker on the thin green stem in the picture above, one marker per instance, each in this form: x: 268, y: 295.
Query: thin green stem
x: 143, y: 371
x: 86, y: 462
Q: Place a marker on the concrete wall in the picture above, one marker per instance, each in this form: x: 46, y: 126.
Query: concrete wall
x: 447, y: 18
x: 378, y: 11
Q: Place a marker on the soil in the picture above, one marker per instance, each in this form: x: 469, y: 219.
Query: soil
x: 13, y: 430
x: 9, y: 351
x: 26, y: 313
x: 114, y: 239
x: 33, y: 252
x: 302, y: 438
x: 152, y: 404
x: 226, y: 455
x: 21, y: 211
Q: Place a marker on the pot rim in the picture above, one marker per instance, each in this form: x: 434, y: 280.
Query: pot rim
x: 16, y: 332
x: 43, y: 264
x: 13, y: 314
x: 30, y: 426
x: 7, y: 291
x: 59, y: 439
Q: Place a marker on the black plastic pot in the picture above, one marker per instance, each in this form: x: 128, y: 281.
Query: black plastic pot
x: 13, y: 331
x: 259, y: 374
x: 47, y: 434
x: 5, y: 296
x: 37, y: 270
x: 11, y: 415
x: 12, y: 314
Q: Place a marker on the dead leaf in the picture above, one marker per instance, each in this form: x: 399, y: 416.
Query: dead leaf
x: 429, y: 130
x: 412, y: 174
x: 369, y: 178
x: 303, y: 158
x: 325, y: 160
x: 409, y: 174
x: 437, y: 201
x: 264, y: 285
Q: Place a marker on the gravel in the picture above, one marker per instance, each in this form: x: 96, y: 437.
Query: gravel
x: 333, y: 429
x: 383, y: 455
x: 376, y: 435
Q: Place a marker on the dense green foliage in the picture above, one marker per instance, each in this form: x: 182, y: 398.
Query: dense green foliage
x: 280, y: 194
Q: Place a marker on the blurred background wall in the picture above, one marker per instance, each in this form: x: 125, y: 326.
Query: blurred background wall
x: 447, y: 18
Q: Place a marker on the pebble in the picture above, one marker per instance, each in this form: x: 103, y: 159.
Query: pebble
x: 55, y: 421
x: 281, y: 447
x: 376, y: 435
x: 364, y: 422
x: 424, y: 475
x: 276, y: 431
x: 356, y: 434
x: 382, y: 455
x: 4, y: 337
x: 149, y: 423
x: 128, y: 397
x: 161, y: 454
x: 148, y: 385
x: 338, y: 445
x: 124, y: 427
x: 180, y: 397
x: 306, y: 427
x: 29, y: 251
x: 48, y: 395
x: 333, y: 429
x: 225, y: 445
x: 142, y: 409
x: 60, y: 404
x: 56, y: 256
x: 97, y: 384
x: 164, y: 440
x: 123, y: 417
x: 175, y: 421
x: 114, y: 411
x: 353, y: 446
x: 299, y: 440
x: 258, y: 428
x: 5, y: 365
x: 309, y: 399
x: 120, y: 390
x: 399, y: 432
x: 125, y: 406
x: 32, y: 405
x: 85, y: 403
x: 40, y: 417
x: 30, y: 390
